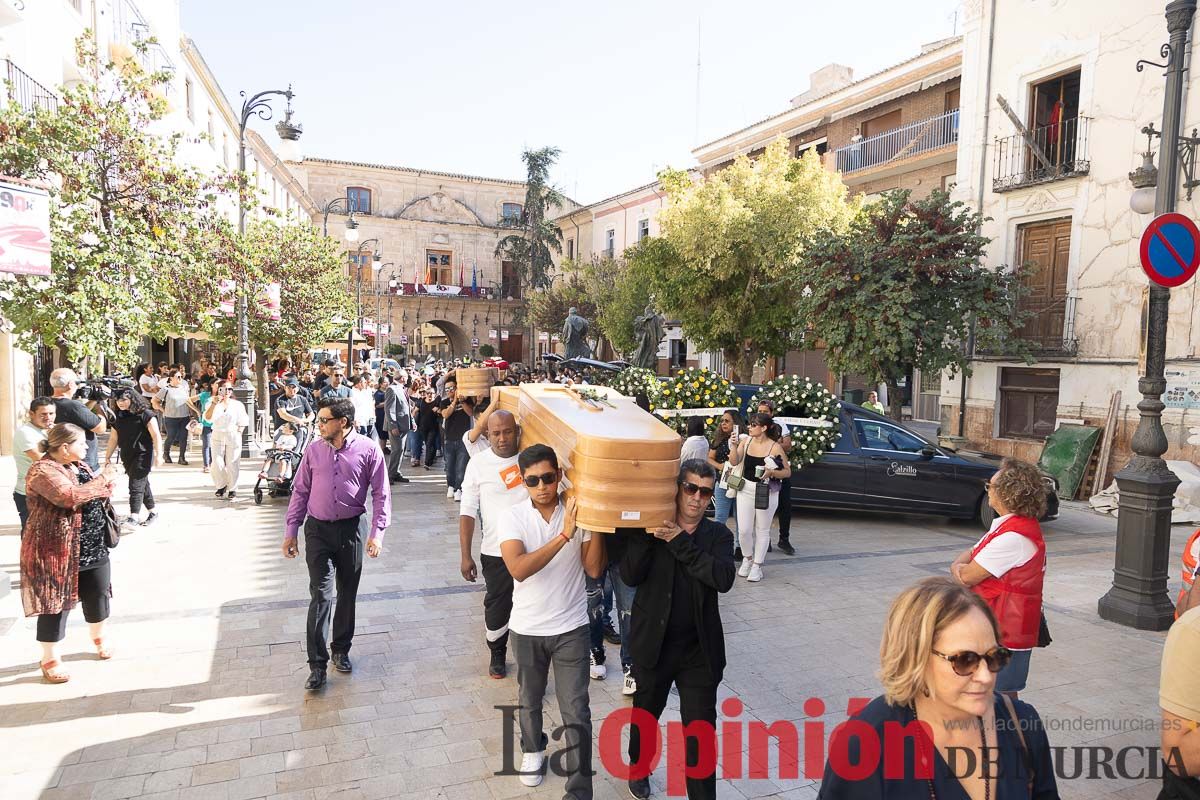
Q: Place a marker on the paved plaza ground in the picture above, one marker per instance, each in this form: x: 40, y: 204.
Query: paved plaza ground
x: 204, y: 700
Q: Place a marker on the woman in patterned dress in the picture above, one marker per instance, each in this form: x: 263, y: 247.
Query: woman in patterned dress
x: 64, y: 557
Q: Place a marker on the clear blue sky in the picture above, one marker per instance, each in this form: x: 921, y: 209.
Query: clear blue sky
x: 465, y: 85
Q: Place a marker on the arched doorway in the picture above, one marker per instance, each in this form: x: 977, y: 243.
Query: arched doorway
x: 439, y: 338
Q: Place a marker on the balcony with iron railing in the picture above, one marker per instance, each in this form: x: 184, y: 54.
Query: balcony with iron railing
x: 1047, y: 327
x: 130, y: 31
x: 1049, y: 153
x: 23, y: 90
x: 908, y: 140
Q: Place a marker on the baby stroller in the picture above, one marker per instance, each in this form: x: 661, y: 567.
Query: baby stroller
x: 281, y: 462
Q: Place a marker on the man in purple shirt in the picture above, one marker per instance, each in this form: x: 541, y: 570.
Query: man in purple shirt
x: 329, y: 496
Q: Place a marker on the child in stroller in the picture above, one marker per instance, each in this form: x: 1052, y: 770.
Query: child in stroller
x: 281, y: 461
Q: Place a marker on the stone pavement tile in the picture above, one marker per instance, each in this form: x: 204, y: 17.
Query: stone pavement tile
x: 187, y: 757
x: 199, y: 736
x: 118, y: 788
x: 271, y: 744
x: 261, y: 765
x: 168, y: 779
x: 227, y: 751
x: 219, y: 772
x: 308, y: 757
x: 77, y: 791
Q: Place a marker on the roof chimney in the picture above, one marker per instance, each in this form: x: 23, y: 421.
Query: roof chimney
x: 826, y: 80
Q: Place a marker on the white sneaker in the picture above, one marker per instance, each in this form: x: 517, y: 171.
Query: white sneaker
x: 755, y: 574
x: 458, y: 496
x: 630, y: 684
x: 744, y: 570
x: 598, y: 670
x: 449, y: 492
x: 531, y: 768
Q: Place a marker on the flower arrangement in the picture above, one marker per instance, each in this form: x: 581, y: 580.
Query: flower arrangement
x: 634, y: 380
x: 797, y: 396
x: 696, y: 388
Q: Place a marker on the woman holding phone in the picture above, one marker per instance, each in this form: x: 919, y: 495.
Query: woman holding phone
x: 228, y: 417
x: 765, y: 462
x: 728, y: 430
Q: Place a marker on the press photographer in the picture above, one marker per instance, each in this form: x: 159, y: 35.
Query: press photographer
x: 76, y: 404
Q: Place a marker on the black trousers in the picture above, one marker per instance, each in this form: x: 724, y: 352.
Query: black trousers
x: 139, y: 493
x: 497, y: 602
x: 431, y: 442
x: 687, y: 668
x: 93, y: 596
x: 334, y: 554
x: 785, y: 510
x: 22, y: 504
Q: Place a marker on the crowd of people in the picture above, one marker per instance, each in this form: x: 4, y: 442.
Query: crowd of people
x: 955, y: 653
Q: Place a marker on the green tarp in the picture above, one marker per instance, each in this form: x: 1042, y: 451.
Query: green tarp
x: 1066, y: 455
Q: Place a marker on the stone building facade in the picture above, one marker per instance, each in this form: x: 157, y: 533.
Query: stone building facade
x: 1071, y: 219
x: 440, y: 289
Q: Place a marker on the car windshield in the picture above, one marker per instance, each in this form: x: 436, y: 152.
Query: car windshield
x: 881, y: 436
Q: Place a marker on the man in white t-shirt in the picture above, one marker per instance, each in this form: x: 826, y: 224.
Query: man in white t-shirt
x: 26, y: 439
x: 491, y: 485
x: 547, y: 558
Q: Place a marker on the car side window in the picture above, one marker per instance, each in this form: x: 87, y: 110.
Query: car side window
x: 879, y: 436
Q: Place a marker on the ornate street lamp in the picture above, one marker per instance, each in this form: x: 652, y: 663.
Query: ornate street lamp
x: 1138, y: 597
x: 376, y: 261
x: 340, y: 205
x: 289, y: 134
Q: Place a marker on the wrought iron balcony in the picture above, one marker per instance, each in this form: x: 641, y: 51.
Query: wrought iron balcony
x: 907, y: 140
x: 25, y: 91
x: 1051, y: 153
x: 130, y: 29
x: 1047, y: 327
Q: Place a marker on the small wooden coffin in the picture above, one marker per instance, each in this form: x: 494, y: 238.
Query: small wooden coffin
x: 476, y: 381
x: 620, y: 461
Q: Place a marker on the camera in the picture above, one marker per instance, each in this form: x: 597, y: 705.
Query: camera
x: 102, y: 388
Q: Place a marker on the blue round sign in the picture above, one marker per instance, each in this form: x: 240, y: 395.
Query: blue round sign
x: 1170, y: 249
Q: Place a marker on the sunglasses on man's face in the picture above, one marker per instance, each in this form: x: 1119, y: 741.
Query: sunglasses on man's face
x: 966, y: 662
x: 533, y: 481
x: 690, y: 488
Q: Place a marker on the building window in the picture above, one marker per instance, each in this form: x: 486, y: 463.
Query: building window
x: 1028, y: 402
x: 643, y: 229
x: 610, y: 242
x: 438, y: 267
x: 952, y: 100
x: 225, y: 149
x: 189, y: 99
x: 212, y: 131
x: 571, y: 249
x: 949, y: 181
x: 819, y: 146
x: 510, y: 281
x: 882, y: 124
x: 510, y: 214
x: 358, y: 199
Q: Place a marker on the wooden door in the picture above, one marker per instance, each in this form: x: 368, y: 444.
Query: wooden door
x: 1046, y: 249
x: 878, y: 125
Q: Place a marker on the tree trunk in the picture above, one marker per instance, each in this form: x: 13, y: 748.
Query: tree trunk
x: 740, y: 363
x: 895, y: 404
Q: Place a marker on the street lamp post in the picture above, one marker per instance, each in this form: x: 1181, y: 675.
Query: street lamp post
x: 357, y: 322
x: 1138, y: 597
x: 379, y: 307
x: 340, y: 205
x: 258, y: 105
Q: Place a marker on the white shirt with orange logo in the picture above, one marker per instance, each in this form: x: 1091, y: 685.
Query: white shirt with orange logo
x: 491, y: 485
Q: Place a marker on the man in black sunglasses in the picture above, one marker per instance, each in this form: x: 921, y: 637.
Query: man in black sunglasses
x: 547, y: 557
x: 680, y: 568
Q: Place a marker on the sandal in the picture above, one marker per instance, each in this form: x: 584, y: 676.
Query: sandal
x: 51, y: 674
x: 102, y: 651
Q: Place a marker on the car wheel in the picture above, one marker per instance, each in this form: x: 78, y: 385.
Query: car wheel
x: 986, y: 515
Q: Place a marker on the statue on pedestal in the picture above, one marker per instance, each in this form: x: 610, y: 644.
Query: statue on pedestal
x: 649, y: 329
x: 574, y: 335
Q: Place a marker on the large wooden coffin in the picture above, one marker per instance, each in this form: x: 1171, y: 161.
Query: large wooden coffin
x: 476, y: 381
x: 620, y: 461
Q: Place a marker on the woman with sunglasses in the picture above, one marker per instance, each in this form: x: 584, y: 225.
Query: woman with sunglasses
x: 765, y: 461
x: 228, y: 417
x: 134, y: 434
x: 727, y: 432
x: 939, y: 659
x: 1007, y: 566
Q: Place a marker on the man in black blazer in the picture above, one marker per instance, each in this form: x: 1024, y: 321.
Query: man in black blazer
x: 676, y: 634
x: 397, y: 419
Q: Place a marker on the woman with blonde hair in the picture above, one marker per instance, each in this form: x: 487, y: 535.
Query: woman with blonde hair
x: 1008, y: 565
x: 64, y: 554
x: 939, y: 657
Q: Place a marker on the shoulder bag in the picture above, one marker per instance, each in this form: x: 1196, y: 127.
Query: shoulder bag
x: 1025, y: 752
x: 733, y: 478
x: 112, y: 525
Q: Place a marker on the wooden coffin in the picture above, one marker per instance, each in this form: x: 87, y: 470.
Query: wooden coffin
x: 620, y: 461
x: 476, y: 381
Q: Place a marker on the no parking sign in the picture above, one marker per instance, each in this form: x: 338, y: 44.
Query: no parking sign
x: 1170, y: 250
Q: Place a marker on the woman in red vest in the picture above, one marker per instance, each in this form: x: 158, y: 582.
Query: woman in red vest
x: 1006, y: 567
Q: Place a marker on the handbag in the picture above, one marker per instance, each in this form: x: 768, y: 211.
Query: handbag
x: 1043, y: 639
x: 112, y: 526
x: 734, y: 478
x: 762, y: 495
x: 1030, y: 765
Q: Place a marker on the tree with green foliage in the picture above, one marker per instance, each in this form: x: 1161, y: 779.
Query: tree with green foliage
x: 620, y: 288
x: 129, y: 225
x: 730, y: 247
x: 531, y: 250
x: 547, y: 308
x: 900, y: 287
